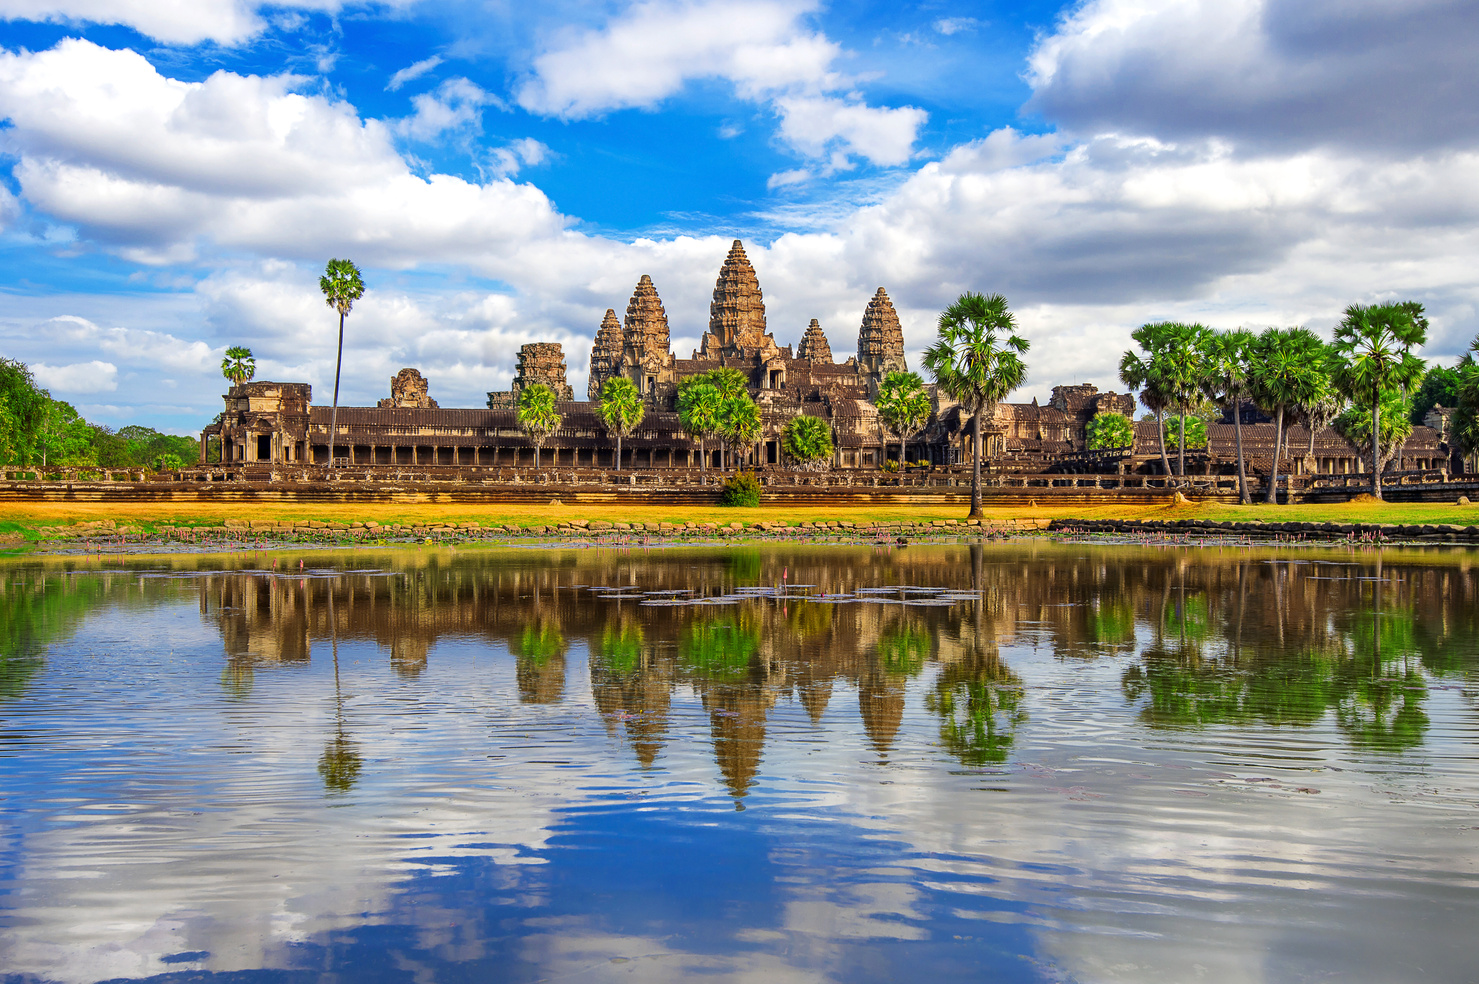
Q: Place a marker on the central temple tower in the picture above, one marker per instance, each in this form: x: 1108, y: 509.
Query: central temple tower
x: 737, y: 314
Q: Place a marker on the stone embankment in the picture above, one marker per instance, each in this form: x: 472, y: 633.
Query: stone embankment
x: 370, y: 531
x: 1437, y: 533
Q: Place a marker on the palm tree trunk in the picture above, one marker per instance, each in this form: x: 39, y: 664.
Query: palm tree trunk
x: 975, y: 512
x: 1273, y: 475
x: 618, y: 452
x: 1181, y: 444
x: 1376, y: 443
x: 334, y: 417
x: 1160, y: 429
x: 703, y: 456
x: 1243, y: 497
x: 536, y: 457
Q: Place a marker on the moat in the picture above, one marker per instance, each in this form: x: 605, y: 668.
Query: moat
x: 1012, y: 762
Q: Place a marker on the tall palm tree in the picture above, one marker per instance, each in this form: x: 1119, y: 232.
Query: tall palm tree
x: 698, y: 412
x: 739, y: 424
x: 1327, y: 404
x: 1226, y: 384
x: 238, y: 366
x: 342, y: 286
x: 903, y: 406
x: 537, y: 415
x: 977, y: 360
x: 1182, y: 366
x: 621, y: 410
x: 1374, y: 344
x: 1140, y: 374
x: 1287, y: 369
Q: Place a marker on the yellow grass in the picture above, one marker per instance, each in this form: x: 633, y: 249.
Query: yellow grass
x: 28, y: 516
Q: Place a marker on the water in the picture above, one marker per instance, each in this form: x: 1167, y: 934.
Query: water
x: 1056, y: 762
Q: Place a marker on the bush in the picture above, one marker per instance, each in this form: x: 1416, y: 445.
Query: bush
x: 741, y: 490
x: 1110, y: 431
x: 890, y: 465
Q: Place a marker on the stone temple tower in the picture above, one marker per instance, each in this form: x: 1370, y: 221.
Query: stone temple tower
x: 646, y: 330
x: 605, y: 355
x: 881, y: 338
x: 814, y: 345
x: 737, y: 314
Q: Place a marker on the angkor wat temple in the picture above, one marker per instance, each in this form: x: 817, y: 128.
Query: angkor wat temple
x: 275, y: 424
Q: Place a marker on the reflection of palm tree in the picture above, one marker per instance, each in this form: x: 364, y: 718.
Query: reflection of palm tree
x: 340, y: 764
x: 237, y: 677
x: 629, y: 686
x: 979, y: 703
x: 540, y: 669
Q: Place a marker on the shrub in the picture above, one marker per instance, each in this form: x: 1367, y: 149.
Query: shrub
x: 890, y: 465
x: 741, y: 490
x: 1108, y: 431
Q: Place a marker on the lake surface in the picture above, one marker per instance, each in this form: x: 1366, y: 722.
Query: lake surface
x: 1050, y: 762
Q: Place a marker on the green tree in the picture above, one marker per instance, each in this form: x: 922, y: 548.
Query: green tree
x: 739, y: 424
x: 1320, y: 408
x: 977, y: 360
x: 1466, y: 413
x: 903, y: 406
x: 341, y: 286
x: 621, y: 410
x: 239, y: 366
x: 699, y: 402
x: 807, y: 441
x: 1140, y: 372
x: 1225, y: 382
x: 729, y: 382
x: 63, y: 438
x: 537, y: 415
x: 22, y: 411
x: 1186, y: 432
x: 1287, y: 369
x: 1180, y: 363
x: 1374, y: 344
x: 1110, y: 431
x: 1396, y: 427
x: 1440, y: 388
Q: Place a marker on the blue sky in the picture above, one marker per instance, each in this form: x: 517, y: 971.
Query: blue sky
x: 176, y: 174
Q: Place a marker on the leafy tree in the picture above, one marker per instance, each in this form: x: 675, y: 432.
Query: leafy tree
x: 977, y: 360
x: 739, y: 423
x: 729, y: 382
x: 341, y: 286
x: 1139, y: 372
x: 807, y: 441
x: 621, y: 409
x: 1440, y: 388
x: 1108, y: 431
x: 22, y: 410
x: 1225, y: 382
x: 903, y: 406
x: 1321, y: 408
x: 1287, y: 369
x: 1185, y: 432
x: 537, y: 415
x: 1374, y: 344
x: 1396, y: 427
x: 1466, y: 416
x: 239, y: 366
x: 63, y: 438
x: 699, y: 402
x: 1179, y: 361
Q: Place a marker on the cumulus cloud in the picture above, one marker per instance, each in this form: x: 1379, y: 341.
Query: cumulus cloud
x: 1375, y: 76
x: 79, y: 377
x: 525, y: 152
x: 456, y: 104
x: 761, y: 47
x: 956, y: 25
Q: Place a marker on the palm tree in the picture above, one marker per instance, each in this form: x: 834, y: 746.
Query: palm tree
x: 1287, y: 369
x: 739, y: 424
x: 1182, y: 366
x: 621, y: 410
x: 903, y: 406
x: 977, y: 360
x: 1225, y: 382
x: 1324, y: 407
x: 342, y: 286
x: 698, y: 412
x: 1374, y: 344
x: 238, y: 366
x: 1139, y: 374
x: 537, y: 415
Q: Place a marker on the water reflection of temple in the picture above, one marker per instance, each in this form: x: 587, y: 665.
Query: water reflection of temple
x: 1208, y: 638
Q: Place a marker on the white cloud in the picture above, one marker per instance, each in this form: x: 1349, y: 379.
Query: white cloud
x: 652, y: 50
x: 79, y: 377
x: 171, y: 21
x: 456, y: 104
x: 956, y: 25
x: 525, y: 152
x: 414, y: 71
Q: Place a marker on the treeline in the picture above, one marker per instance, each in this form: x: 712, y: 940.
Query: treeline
x: 41, y: 434
x: 1367, y: 384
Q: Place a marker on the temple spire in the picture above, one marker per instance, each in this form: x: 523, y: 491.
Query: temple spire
x: 605, y: 355
x: 737, y: 314
x: 881, y: 337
